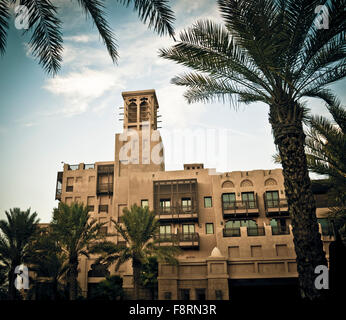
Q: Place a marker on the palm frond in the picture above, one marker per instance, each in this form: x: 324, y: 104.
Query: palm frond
x: 325, y: 94
x: 318, y: 40
x: 208, y: 47
x: 203, y: 88
x: 4, y: 16
x: 46, y: 40
x: 255, y: 27
x: 156, y: 13
x: 96, y: 9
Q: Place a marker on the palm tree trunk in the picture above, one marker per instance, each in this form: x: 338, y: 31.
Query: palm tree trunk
x: 11, y: 287
x: 136, y: 266
x: 290, y: 138
x: 73, y: 274
x: 54, y: 289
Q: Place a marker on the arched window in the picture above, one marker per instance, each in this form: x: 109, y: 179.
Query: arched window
x: 270, y: 182
x: 132, y: 112
x: 246, y: 183
x: 228, y: 184
x: 144, y: 111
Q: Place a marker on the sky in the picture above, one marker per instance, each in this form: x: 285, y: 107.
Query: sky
x: 74, y: 116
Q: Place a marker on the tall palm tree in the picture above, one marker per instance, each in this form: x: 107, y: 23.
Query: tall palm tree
x: 15, y: 237
x: 272, y: 51
x: 74, y: 230
x: 48, y: 260
x: 140, y: 231
x: 46, y: 36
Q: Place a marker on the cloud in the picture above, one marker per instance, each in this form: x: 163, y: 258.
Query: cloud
x: 82, y: 38
x: 29, y: 124
x: 89, y: 74
x: 175, y: 111
x: 79, y: 89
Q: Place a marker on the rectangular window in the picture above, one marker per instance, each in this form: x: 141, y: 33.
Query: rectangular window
x: 272, y: 199
x: 168, y: 295
x: 200, y: 294
x: 188, y: 228
x: 68, y: 200
x: 228, y: 200
x: 188, y: 231
x: 248, y: 198
x: 165, y: 232
x: 209, y: 228
x: 165, y: 205
x: 185, y: 294
x: 186, y: 204
x: 326, y: 226
x: 145, y: 203
x: 208, y: 202
x: 91, y: 208
x: 103, y: 208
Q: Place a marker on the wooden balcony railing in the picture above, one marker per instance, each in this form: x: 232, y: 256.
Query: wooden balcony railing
x: 275, y: 207
x: 181, y: 239
x: 255, y: 231
x: 105, y: 187
x: 231, y: 232
x: 249, y: 207
x: 280, y: 230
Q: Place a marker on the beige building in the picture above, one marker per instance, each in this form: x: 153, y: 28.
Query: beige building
x: 233, y: 228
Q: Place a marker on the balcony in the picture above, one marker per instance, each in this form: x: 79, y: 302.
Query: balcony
x: 255, y: 231
x: 187, y: 213
x: 231, y: 232
x: 105, y: 169
x: 58, y: 189
x: 280, y: 230
x: 105, y: 188
x: 183, y: 240
x: 275, y: 207
x: 105, y: 176
x: 240, y: 209
x: 176, y: 200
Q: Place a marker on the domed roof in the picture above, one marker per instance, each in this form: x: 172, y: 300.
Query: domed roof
x: 216, y: 252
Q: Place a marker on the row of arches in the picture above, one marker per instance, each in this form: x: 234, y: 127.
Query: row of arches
x: 248, y: 183
x: 143, y: 111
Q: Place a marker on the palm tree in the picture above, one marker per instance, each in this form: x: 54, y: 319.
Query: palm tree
x: 271, y: 51
x: 74, y: 230
x: 48, y: 260
x: 149, y: 274
x: 325, y: 146
x: 140, y: 231
x: 15, y: 237
x: 46, y: 40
